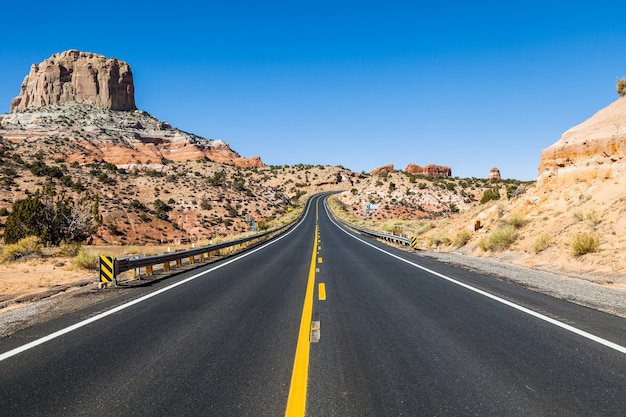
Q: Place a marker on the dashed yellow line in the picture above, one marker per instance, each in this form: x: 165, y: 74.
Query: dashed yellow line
x: 296, y: 402
x: 321, y: 291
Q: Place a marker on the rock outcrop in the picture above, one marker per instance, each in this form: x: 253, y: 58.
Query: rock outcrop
x: 386, y: 168
x: 429, y: 170
x: 592, y: 150
x: 494, y: 174
x: 77, y: 76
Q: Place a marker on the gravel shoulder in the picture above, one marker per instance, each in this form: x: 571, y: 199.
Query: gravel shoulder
x: 570, y: 287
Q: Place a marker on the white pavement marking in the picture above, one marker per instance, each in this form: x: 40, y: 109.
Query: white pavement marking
x: 540, y: 316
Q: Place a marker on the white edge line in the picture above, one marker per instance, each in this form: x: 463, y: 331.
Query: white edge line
x: 58, y: 333
x: 550, y: 320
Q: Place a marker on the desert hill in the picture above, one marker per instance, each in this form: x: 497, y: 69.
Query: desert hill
x: 579, y: 199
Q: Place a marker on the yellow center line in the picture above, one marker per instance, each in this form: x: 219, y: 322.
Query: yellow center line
x: 296, y: 403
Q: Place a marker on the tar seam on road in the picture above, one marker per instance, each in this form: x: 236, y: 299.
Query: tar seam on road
x: 117, y: 309
x: 607, y: 343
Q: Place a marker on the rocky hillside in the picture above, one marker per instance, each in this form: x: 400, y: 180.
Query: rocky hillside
x: 85, y: 134
x: 571, y: 221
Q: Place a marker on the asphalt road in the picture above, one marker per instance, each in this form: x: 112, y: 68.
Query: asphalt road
x: 395, y: 340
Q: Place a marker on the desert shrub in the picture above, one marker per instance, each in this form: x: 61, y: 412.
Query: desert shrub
x: 437, y: 239
x: 52, y: 218
x: 70, y: 249
x: 161, y: 209
x: 593, y: 218
x: 490, y: 194
x: 584, y: 243
x: 541, y: 243
x: 136, y: 204
x: 84, y: 260
x: 425, y: 228
x: 27, y: 246
x: 516, y: 220
x: 498, y: 239
x: 578, y: 215
x: 461, y: 238
x: 621, y: 87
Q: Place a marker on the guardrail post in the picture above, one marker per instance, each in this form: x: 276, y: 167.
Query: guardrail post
x: 149, y: 270
x: 166, y: 266
x: 107, y: 270
x: 192, y: 259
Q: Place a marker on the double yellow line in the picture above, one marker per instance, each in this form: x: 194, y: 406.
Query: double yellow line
x: 296, y: 403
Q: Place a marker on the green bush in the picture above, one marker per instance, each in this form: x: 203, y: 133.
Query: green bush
x: 490, y: 194
x: 584, y: 243
x: 52, y: 218
x: 498, y: 239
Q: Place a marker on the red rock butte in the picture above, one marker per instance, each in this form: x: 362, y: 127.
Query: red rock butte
x: 82, y: 77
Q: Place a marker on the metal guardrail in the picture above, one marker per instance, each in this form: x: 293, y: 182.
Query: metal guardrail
x: 408, y: 241
x: 111, y: 267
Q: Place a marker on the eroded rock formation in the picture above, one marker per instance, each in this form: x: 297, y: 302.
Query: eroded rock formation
x: 77, y: 76
x: 430, y: 170
x: 494, y: 174
x: 592, y: 150
x: 386, y: 168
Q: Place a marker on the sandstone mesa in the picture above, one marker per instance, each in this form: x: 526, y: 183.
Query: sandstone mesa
x: 85, y: 103
x: 77, y: 76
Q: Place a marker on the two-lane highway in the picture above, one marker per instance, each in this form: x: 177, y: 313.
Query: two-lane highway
x: 400, y: 336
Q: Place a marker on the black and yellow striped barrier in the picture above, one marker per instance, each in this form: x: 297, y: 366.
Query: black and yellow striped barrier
x: 107, y: 273
x: 414, y: 242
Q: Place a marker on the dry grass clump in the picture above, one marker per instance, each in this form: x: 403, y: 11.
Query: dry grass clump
x: 516, y: 220
x: 85, y: 260
x: 461, y: 238
x: 28, y: 246
x: 498, y: 239
x: 584, y: 243
x: 69, y: 249
x: 437, y: 239
x: 542, y: 243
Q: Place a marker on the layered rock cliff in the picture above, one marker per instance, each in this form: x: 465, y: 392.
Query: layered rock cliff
x: 77, y: 76
x: 592, y: 150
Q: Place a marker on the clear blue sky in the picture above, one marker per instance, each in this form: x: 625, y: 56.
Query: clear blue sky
x: 467, y: 84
